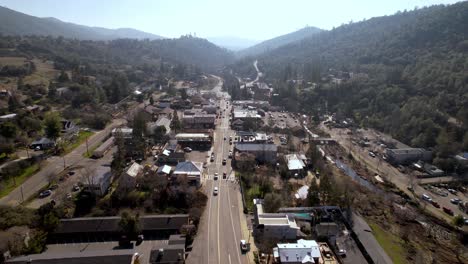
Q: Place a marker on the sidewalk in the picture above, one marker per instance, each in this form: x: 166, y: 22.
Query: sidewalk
x: 246, y: 233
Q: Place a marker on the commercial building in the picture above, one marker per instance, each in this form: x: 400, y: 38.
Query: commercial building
x: 189, y: 169
x: 273, y: 225
x: 304, y: 251
x: 264, y: 153
x: 194, y: 140
x: 408, y: 155
x: 194, y: 120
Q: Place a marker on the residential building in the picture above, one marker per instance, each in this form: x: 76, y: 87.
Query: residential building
x: 408, y: 155
x: 189, y: 169
x: 273, y: 225
x: 210, y: 109
x: 124, y: 132
x: 303, y: 251
x: 128, y: 178
x: 168, y: 254
x: 98, y: 181
x: 164, y: 170
x: 42, y: 144
x: 162, y: 121
x: 264, y: 153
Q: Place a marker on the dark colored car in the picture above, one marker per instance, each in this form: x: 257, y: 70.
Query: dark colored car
x: 45, y: 193
x: 447, y: 210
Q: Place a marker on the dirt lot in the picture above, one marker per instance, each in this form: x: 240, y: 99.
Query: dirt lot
x: 13, y: 61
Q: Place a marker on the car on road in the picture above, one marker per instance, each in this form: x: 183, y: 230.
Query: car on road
x: 230, y: 154
x: 426, y: 197
x: 71, y: 173
x: 224, y: 175
x: 224, y: 161
x: 224, y: 138
x: 215, y: 191
x: 372, y: 154
x: 187, y: 149
x: 455, y: 200
x: 244, y: 246
x: 342, y: 253
x: 45, y: 193
x: 215, y: 177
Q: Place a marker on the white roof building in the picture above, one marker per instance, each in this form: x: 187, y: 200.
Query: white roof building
x: 295, y: 161
x: 274, y: 225
x: 304, y: 251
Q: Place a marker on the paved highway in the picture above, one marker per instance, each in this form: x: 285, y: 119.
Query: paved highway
x: 54, y: 165
x: 220, y: 229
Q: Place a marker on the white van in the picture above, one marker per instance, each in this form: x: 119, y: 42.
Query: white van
x: 426, y: 197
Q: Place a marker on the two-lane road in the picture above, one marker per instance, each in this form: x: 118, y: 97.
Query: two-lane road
x: 219, y: 233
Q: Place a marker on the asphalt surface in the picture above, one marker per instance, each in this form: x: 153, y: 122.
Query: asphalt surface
x: 219, y: 232
x: 392, y: 174
x: 54, y: 166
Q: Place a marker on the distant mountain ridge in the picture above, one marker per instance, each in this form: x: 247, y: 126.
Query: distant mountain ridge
x: 279, y: 41
x: 233, y: 43
x: 17, y: 23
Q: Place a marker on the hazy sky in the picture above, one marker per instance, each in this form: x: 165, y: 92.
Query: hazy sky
x: 250, y: 19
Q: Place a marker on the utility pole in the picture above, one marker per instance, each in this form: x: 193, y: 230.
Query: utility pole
x: 64, y: 164
x: 87, y: 147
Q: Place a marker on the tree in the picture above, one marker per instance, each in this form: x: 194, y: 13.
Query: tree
x: 118, y: 159
x: 63, y: 77
x: 129, y: 224
x: 175, y: 123
x: 53, y: 126
x: 159, y: 133
x: 272, y: 202
x: 151, y: 100
x: 313, y: 198
x: 8, y: 130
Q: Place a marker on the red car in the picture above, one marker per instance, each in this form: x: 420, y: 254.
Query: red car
x: 447, y: 210
x: 435, y: 204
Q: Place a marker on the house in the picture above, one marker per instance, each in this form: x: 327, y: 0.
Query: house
x: 273, y: 225
x: 68, y: 127
x: 164, y: 170
x: 168, y: 254
x: 162, y: 121
x: 128, y: 179
x: 99, y: 181
x: 189, y: 169
x: 42, y: 144
x: 237, y: 124
x: 407, y: 155
x: 264, y: 153
x: 303, y: 251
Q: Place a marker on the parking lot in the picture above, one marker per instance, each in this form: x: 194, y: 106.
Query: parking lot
x: 280, y: 120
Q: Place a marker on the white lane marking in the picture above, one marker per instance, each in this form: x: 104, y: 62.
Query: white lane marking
x: 208, y: 224
x: 229, y: 256
x: 219, y: 197
x: 232, y: 224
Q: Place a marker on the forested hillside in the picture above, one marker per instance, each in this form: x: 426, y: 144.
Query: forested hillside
x: 410, y: 76
x: 186, y: 50
x: 14, y: 23
x: 277, y: 42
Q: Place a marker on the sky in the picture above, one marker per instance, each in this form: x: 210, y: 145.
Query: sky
x: 248, y: 19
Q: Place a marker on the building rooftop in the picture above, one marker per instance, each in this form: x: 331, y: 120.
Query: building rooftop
x: 189, y: 168
x: 294, y: 162
x: 256, y: 147
x: 304, y: 251
x: 134, y: 170
x: 166, y: 169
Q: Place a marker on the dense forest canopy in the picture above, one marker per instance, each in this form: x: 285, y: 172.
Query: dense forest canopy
x: 409, y: 76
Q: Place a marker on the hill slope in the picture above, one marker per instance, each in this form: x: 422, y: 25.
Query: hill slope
x: 233, y: 43
x: 413, y: 76
x: 277, y: 42
x: 16, y: 23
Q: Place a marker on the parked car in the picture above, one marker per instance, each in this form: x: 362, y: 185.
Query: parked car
x: 426, y: 197
x: 372, y: 154
x: 244, y: 246
x: 447, y: 210
x: 435, y: 204
x: 71, y: 173
x: 342, y: 253
x: 45, y: 193
x: 452, y: 191
x: 187, y: 149
x: 75, y: 188
x: 455, y: 200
